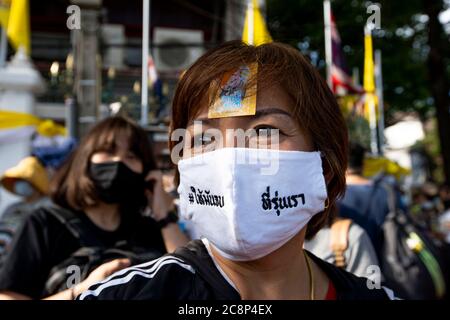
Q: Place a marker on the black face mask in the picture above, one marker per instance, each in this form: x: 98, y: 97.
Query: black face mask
x: 115, y: 182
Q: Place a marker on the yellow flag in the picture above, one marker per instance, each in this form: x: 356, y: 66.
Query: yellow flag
x: 14, y: 119
x: 19, y: 25
x: 369, y: 75
x: 260, y: 33
x: 14, y: 125
x: 375, y: 165
x: 4, y: 12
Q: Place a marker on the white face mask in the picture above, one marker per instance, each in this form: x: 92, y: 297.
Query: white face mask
x: 244, y: 214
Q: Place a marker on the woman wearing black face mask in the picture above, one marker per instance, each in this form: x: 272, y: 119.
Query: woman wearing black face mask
x: 99, y: 196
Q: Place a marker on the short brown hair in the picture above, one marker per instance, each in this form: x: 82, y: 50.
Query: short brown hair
x: 71, y: 186
x: 315, y: 106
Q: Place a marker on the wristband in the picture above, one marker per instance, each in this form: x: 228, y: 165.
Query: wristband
x: 172, y: 217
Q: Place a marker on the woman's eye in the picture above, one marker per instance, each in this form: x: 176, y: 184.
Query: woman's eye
x: 265, y: 131
x: 264, y: 136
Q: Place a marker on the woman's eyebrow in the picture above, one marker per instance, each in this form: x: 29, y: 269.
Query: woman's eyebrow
x: 270, y: 111
x: 258, y: 114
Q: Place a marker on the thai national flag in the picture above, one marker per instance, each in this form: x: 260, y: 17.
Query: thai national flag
x: 152, y: 73
x: 340, y: 75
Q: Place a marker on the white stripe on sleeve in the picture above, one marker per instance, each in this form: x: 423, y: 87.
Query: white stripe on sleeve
x: 136, y: 270
x: 390, y: 294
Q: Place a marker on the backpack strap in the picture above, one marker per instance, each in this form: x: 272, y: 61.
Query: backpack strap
x: 73, y: 223
x: 339, y: 240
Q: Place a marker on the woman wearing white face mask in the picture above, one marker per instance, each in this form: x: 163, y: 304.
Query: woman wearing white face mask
x: 252, y: 205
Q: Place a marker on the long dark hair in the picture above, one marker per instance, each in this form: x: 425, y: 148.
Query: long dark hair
x: 71, y: 186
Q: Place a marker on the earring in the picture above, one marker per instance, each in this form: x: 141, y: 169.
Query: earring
x: 327, y: 203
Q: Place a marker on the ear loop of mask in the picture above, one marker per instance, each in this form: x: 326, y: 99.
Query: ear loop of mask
x: 327, y: 200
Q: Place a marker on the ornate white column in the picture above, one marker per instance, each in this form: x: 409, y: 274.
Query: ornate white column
x: 19, y: 84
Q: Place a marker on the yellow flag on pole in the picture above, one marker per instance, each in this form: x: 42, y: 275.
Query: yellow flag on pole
x: 19, y: 25
x: 14, y: 125
x: 369, y: 75
x: 370, y: 103
x: 4, y: 12
x: 255, y: 30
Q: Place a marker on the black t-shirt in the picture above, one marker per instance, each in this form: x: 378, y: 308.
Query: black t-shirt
x: 190, y: 274
x: 43, y: 242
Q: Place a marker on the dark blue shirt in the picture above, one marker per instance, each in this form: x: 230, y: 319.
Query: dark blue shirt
x: 367, y: 206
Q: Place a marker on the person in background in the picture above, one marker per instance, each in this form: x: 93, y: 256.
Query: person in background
x: 101, y: 191
x: 431, y: 207
x: 444, y: 194
x: 28, y: 180
x: 426, y: 205
x: 444, y: 218
x: 346, y: 245
x: 365, y: 201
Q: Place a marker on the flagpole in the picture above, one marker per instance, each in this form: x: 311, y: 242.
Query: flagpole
x: 379, y: 90
x: 372, y: 124
x: 145, y: 51
x: 251, y: 23
x: 328, y: 48
x: 355, y: 76
x: 3, y: 47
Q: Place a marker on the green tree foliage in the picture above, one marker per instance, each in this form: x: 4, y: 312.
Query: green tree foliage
x: 402, y: 40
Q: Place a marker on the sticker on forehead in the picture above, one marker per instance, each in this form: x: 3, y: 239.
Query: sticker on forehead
x: 233, y: 97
